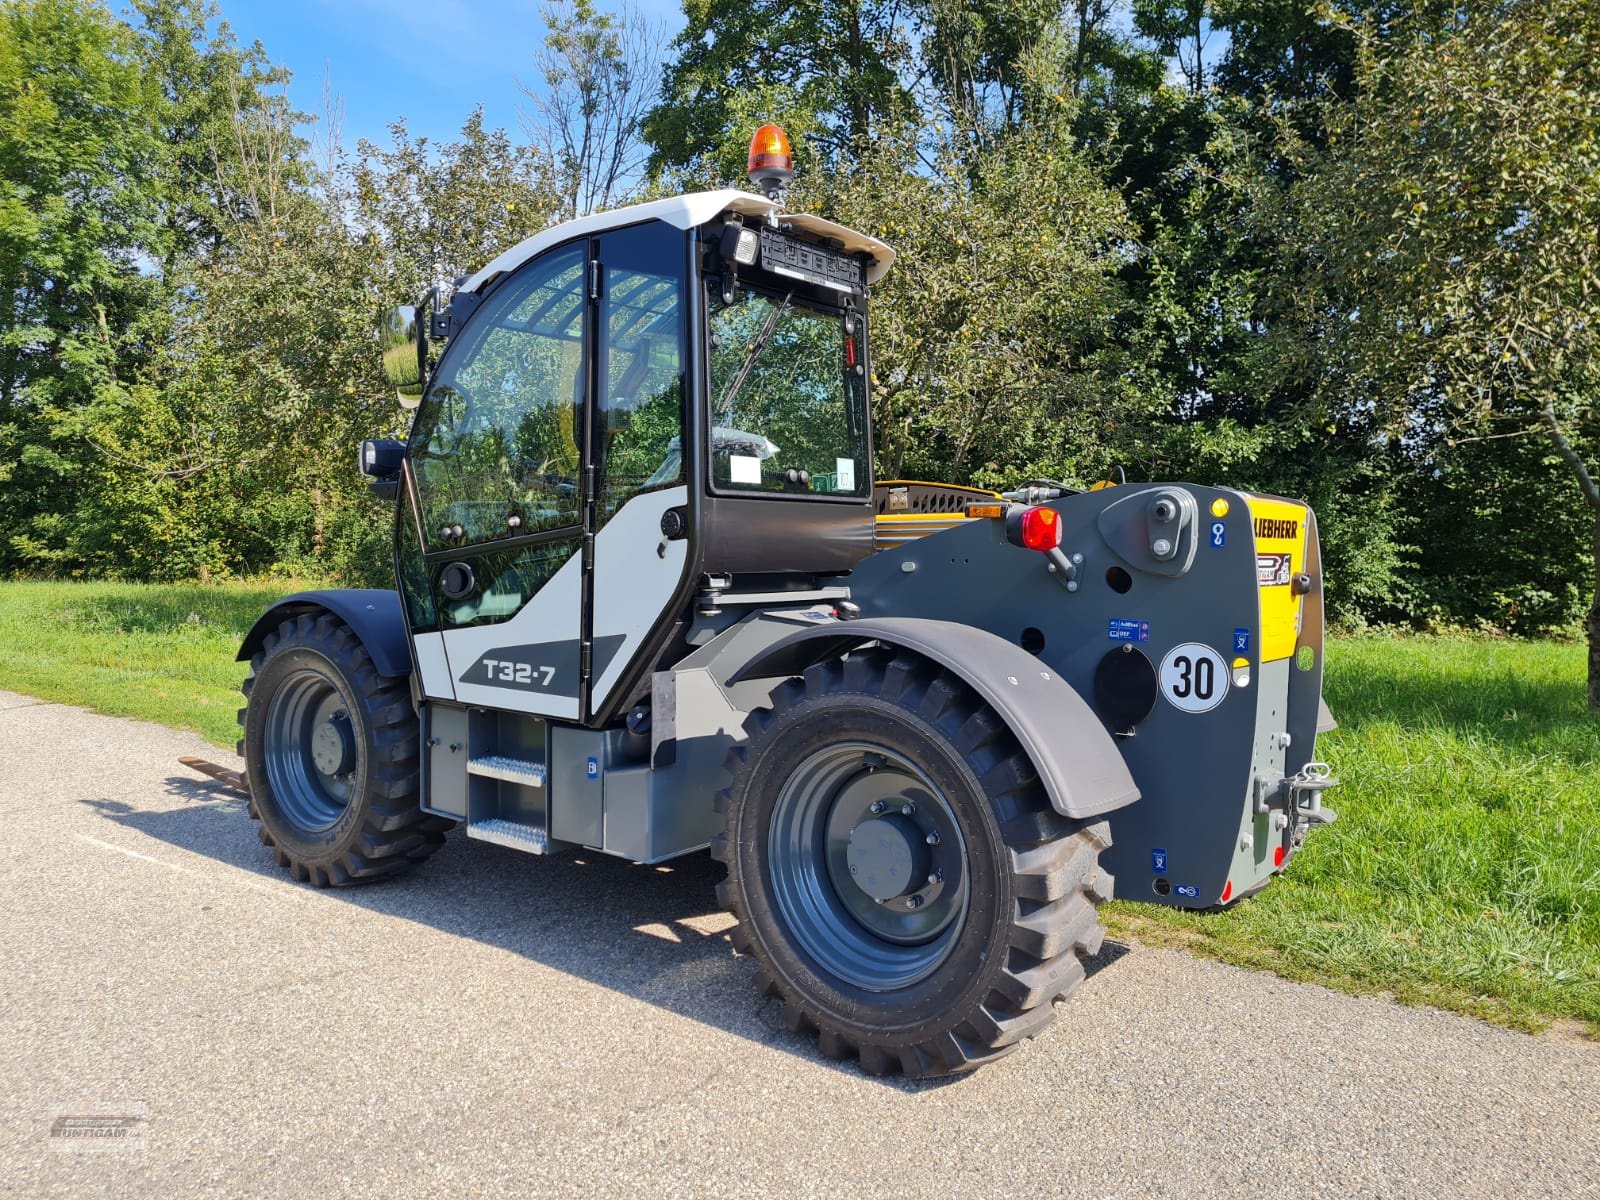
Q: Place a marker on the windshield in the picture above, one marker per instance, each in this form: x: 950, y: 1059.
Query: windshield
x: 788, y: 398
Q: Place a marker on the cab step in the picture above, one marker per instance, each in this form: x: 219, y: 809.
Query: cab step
x: 510, y: 770
x: 530, y: 838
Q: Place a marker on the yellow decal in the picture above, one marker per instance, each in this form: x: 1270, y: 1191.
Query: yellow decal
x: 1280, y: 529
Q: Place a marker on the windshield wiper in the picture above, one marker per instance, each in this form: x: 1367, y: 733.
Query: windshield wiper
x: 724, y: 401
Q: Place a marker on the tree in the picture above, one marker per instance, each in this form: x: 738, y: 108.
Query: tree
x: 80, y: 167
x: 994, y: 350
x: 1453, y: 221
x: 434, y: 211
x: 207, y: 82
x: 824, y: 67
x: 600, y: 74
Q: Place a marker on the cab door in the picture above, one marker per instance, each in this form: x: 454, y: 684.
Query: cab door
x: 641, y: 554
x: 492, y: 526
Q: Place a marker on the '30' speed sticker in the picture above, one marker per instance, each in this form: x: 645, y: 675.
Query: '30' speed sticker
x: 1194, y: 677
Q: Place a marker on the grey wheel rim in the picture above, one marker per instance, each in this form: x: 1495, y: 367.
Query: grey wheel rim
x: 868, y: 866
x: 311, y: 751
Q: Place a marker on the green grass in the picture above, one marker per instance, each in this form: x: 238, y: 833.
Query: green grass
x: 1464, y: 869
x: 161, y: 653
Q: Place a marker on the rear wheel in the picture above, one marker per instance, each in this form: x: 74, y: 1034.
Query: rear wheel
x: 898, y: 872
x: 330, y: 748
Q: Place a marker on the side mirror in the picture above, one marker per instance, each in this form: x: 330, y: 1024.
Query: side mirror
x: 381, y: 458
x: 400, y: 336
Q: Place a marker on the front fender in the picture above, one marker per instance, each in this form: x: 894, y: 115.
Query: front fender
x: 373, y: 613
x: 1077, y: 760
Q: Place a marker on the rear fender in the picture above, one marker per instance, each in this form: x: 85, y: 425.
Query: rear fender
x: 1078, y: 762
x: 373, y: 613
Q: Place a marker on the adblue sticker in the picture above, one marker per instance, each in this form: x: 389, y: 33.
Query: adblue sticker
x: 1121, y: 630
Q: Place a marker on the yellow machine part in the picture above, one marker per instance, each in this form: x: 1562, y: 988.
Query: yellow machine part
x: 900, y: 519
x: 1280, y: 528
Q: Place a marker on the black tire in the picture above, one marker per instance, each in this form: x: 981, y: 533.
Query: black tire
x: 359, y: 819
x: 1032, y: 885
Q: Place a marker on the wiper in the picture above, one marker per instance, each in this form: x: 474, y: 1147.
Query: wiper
x: 724, y: 399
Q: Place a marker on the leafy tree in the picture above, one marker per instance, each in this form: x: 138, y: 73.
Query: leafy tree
x: 80, y: 165
x: 1454, y: 222
x: 825, y: 67
x: 212, y: 91
x: 431, y: 212
x: 993, y: 350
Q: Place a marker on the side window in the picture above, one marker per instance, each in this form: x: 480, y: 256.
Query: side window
x: 788, y: 398
x: 641, y: 324
x: 495, y: 445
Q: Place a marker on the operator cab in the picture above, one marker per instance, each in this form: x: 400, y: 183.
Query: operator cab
x: 628, y: 406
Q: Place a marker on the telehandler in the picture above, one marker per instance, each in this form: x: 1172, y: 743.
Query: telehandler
x: 649, y: 599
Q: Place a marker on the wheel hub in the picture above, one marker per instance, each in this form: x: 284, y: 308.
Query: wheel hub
x: 333, y: 746
x: 869, y: 866
x: 888, y: 857
x: 310, y: 750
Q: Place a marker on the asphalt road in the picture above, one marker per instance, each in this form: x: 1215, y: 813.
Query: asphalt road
x: 501, y: 1025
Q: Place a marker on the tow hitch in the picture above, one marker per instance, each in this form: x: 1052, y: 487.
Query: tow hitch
x: 1295, y: 801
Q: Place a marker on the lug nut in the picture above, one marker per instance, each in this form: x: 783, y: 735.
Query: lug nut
x: 933, y: 838
x: 935, y: 877
x: 877, y: 807
x: 907, y: 810
x: 913, y: 901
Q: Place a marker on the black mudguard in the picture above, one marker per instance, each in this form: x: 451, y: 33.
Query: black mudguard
x: 373, y: 613
x: 1077, y: 760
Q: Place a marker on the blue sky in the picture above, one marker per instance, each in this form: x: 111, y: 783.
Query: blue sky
x: 430, y: 61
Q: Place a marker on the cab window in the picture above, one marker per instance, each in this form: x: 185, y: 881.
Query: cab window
x: 788, y: 388
x: 641, y: 326
x: 495, y: 448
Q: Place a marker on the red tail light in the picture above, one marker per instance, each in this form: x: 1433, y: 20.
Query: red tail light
x: 1034, y: 528
x: 1227, y: 892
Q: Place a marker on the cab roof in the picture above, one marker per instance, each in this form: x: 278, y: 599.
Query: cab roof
x: 684, y: 212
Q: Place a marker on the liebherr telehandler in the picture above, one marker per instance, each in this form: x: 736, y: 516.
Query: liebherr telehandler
x: 650, y: 599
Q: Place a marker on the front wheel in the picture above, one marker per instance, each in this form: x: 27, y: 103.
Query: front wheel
x: 898, y: 872
x: 330, y: 748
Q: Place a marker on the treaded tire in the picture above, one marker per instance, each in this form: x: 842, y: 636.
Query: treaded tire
x: 380, y: 830
x: 1035, y: 878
